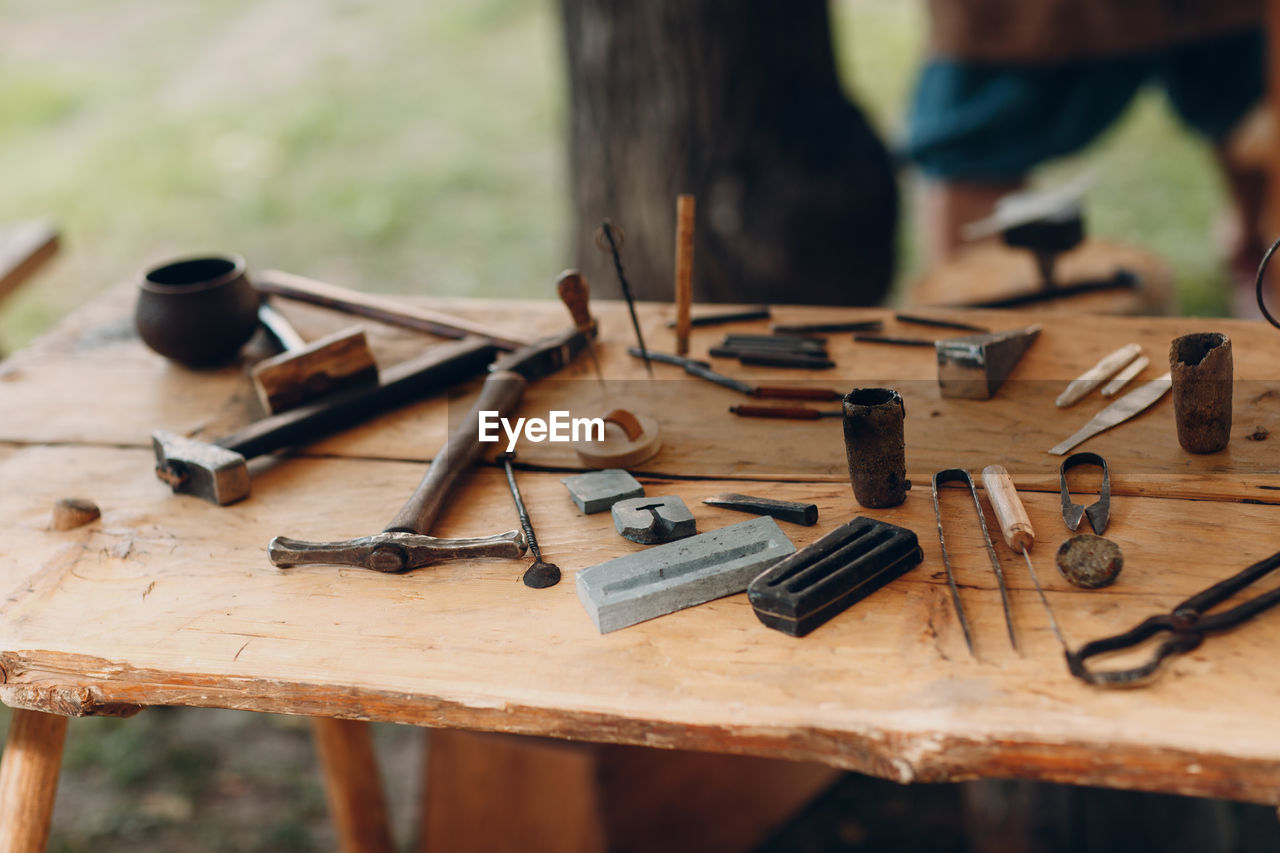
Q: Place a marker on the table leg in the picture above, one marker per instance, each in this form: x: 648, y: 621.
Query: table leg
x: 29, y: 780
x: 507, y: 794
x: 352, y: 785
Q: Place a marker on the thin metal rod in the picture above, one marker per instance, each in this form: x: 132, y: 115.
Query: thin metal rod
x: 606, y: 228
x: 525, y: 523
x: 1052, y: 619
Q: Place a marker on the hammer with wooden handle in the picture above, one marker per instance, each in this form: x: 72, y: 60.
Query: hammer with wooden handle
x: 218, y: 471
x: 405, y: 544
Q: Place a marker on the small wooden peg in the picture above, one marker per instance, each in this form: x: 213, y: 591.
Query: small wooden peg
x: 685, y: 206
x: 70, y: 513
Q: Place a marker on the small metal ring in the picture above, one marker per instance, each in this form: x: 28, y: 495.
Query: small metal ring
x: 1262, y: 268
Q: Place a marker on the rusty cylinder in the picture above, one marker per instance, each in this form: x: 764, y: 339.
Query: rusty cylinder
x: 875, y: 447
x: 1201, y: 368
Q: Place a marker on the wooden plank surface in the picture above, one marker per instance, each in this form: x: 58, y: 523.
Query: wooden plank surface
x: 168, y: 600
x: 47, y: 391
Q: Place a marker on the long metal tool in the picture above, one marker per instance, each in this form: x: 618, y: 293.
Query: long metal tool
x: 1136, y: 401
x: 1015, y: 527
x: 1187, y: 623
x: 702, y: 370
x: 960, y: 475
x: 405, y: 543
x: 612, y: 243
x: 540, y: 574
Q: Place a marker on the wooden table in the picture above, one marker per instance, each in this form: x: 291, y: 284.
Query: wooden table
x: 168, y: 600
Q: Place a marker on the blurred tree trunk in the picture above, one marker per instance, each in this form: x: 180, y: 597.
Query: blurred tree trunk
x: 739, y: 104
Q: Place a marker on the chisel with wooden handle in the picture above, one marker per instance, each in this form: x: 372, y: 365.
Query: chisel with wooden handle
x: 1015, y: 526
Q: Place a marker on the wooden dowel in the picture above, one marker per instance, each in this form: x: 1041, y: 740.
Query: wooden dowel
x: 29, y: 780
x: 684, y: 271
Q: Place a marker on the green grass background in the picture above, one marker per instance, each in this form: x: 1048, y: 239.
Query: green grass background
x: 394, y: 146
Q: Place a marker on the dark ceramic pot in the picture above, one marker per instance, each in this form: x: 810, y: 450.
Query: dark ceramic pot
x: 197, y: 311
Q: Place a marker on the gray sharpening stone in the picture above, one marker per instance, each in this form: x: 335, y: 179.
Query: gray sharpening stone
x: 596, y: 491
x: 651, y: 521
x: 671, y: 577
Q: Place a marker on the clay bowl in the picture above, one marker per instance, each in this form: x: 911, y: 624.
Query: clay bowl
x: 197, y: 311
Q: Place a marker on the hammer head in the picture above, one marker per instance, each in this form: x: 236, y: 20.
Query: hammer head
x: 199, y: 468
x: 325, y: 366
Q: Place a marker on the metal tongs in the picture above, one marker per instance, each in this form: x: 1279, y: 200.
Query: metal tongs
x: 1187, y: 623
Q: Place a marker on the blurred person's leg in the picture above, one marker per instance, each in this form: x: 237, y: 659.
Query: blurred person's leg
x: 1213, y: 85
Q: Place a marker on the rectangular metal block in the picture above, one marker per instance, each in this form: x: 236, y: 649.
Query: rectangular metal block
x: 671, y: 577
x: 806, y: 589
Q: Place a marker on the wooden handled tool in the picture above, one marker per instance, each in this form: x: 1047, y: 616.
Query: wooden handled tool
x: 405, y: 543
x: 304, y: 372
x: 685, y: 205
x: 381, y: 308
x: 576, y: 296
x: 1015, y: 526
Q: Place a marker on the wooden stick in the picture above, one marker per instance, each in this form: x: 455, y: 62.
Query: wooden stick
x: 685, y: 205
x: 352, y: 786
x: 384, y: 309
x: 29, y: 779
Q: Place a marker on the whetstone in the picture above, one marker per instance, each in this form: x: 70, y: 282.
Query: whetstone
x: 626, y: 590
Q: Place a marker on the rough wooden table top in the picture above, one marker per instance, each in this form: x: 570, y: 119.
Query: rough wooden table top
x: 170, y: 600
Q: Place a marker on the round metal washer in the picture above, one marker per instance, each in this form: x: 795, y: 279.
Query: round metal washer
x: 1089, y: 561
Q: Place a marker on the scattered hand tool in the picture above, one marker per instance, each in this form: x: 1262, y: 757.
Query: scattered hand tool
x: 574, y: 293
x: 596, y: 491
x: 702, y: 370
x: 218, y: 471
x: 404, y: 543
x: 70, y: 513
x: 759, y: 313
x: 767, y: 358
x: 875, y: 446
x: 1201, y: 369
x: 393, y: 312
x: 802, y: 591
x: 819, y: 328
x: 974, y: 367
x: 1099, y: 512
x: 540, y: 574
x: 636, y: 438
x: 1089, y: 561
x: 787, y: 343
x: 685, y: 205
x: 1096, y: 375
x: 1187, y: 623
x: 790, y: 413
x: 895, y: 340
x: 610, y: 239
x: 1122, y: 378
x: 959, y: 475
x: 671, y: 577
x: 1136, y: 401
x: 919, y: 320
x: 1016, y: 528
x: 304, y: 372
x: 775, y: 350
x: 792, y: 511
x: 652, y: 521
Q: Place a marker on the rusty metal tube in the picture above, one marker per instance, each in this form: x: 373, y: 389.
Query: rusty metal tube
x: 875, y: 446
x: 1202, y: 385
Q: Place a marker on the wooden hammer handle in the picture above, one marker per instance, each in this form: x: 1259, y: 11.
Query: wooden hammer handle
x: 501, y: 392
x: 390, y: 311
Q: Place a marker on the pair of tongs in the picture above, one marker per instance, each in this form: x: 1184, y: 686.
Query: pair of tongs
x: 1187, y: 623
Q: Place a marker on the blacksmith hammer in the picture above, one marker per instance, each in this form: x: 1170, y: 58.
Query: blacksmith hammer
x: 404, y: 543
x: 218, y: 471
x: 307, y: 371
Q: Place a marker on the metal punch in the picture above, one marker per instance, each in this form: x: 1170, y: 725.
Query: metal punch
x: 1187, y: 623
x: 960, y: 475
x: 1099, y: 512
